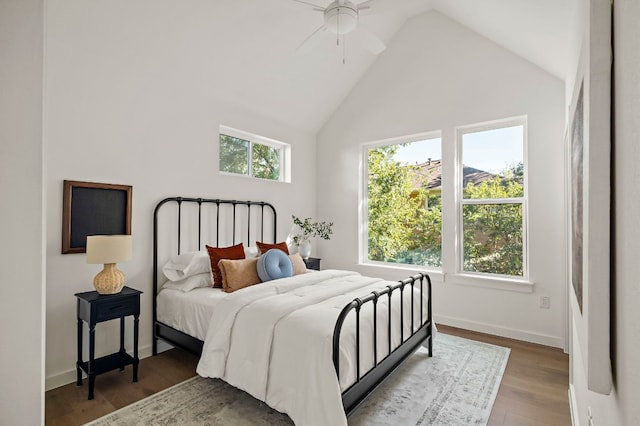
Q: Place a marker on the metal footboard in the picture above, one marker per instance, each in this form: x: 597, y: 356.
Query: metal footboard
x: 367, y: 382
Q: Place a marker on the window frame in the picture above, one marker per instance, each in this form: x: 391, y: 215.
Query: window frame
x: 460, y: 201
x: 363, y: 257
x: 283, y: 148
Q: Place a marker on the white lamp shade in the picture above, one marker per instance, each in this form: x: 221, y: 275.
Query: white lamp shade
x: 108, y: 248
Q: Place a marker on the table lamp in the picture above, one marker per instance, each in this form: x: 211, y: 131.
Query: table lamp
x: 108, y: 250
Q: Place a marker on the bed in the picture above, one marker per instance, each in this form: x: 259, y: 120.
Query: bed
x: 313, y: 345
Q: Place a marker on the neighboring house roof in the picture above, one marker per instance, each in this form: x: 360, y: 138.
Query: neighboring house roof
x: 432, y: 171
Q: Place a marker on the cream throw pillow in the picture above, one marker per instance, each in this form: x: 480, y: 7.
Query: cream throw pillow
x: 298, y: 264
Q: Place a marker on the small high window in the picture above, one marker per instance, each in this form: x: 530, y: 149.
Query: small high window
x: 243, y: 153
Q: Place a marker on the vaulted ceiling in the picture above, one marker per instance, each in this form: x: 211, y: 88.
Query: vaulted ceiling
x: 259, y: 40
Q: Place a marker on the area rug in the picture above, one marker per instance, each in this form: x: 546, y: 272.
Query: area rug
x: 457, y: 386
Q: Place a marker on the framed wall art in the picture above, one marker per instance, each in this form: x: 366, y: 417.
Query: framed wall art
x: 589, y: 143
x: 90, y: 208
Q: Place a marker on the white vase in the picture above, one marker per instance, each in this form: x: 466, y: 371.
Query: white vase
x: 304, y: 248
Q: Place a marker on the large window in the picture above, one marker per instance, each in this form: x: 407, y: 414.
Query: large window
x: 252, y: 155
x: 480, y: 200
x: 404, y: 207
x: 492, y: 198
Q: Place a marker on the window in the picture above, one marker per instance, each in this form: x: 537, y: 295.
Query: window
x: 492, y: 198
x: 404, y: 207
x: 252, y: 155
x: 483, y: 206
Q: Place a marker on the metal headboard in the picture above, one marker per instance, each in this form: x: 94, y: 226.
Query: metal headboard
x: 242, y: 209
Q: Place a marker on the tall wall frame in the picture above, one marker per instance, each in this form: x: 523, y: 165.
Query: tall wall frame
x: 588, y: 144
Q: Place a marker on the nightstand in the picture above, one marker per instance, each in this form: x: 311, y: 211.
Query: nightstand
x: 94, y: 308
x: 312, y: 263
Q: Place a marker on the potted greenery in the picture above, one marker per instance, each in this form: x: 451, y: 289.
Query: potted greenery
x: 304, y: 230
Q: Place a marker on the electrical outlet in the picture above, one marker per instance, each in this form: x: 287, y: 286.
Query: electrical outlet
x: 545, y: 302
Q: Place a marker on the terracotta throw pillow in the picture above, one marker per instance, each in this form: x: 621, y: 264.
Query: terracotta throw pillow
x: 237, y: 274
x: 218, y: 253
x: 298, y: 264
x: 265, y: 247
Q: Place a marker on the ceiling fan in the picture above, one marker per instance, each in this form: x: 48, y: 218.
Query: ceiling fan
x: 341, y: 18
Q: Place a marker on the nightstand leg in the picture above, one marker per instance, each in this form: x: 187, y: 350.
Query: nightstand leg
x: 122, y: 351
x: 135, y: 348
x: 92, y: 349
x: 79, y: 362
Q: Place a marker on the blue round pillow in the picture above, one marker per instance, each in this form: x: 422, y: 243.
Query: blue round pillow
x: 274, y: 264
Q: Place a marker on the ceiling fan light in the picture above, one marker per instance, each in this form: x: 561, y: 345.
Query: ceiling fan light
x: 341, y: 19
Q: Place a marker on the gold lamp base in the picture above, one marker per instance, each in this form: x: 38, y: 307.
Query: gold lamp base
x: 110, y: 280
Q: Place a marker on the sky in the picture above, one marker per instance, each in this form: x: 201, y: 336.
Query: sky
x: 488, y: 150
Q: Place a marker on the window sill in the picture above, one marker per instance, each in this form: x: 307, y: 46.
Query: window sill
x: 498, y: 283
x: 245, y: 176
x: 391, y: 271
x: 385, y: 269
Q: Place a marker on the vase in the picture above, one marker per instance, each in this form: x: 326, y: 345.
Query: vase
x: 304, y: 248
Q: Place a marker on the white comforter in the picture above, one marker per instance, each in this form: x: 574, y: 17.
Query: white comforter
x: 274, y: 341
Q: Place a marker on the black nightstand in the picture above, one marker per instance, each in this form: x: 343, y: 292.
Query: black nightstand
x: 94, y: 308
x: 312, y: 263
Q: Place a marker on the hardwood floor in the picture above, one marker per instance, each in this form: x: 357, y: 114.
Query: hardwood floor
x: 533, y: 390
x: 68, y: 405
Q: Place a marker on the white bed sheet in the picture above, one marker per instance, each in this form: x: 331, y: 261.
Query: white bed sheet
x: 189, y: 312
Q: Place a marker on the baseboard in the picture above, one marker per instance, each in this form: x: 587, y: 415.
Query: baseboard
x: 69, y: 376
x: 512, y: 333
x: 573, y: 406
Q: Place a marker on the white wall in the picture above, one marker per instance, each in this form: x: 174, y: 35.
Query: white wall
x: 21, y: 215
x: 621, y: 406
x: 436, y: 75
x: 134, y: 98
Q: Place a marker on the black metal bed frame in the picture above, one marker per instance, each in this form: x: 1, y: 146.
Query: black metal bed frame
x: 365, y: 383
x: 371, y: 379
x: 163, y: 331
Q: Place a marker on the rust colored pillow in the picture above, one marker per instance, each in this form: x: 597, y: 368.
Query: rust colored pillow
x: 237, y: 274
x: 298, y: 264
x: 264, y: 247
x: 218, y: 253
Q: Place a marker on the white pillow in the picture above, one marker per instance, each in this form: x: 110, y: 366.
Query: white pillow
x: 186, y: 265
x: 251, y: 251
x: 189, y: 283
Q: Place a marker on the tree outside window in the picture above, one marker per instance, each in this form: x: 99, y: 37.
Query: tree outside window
x: 246, y: 154
x: 404, y: 207
x: 404, y: 201
x: 493, y: 200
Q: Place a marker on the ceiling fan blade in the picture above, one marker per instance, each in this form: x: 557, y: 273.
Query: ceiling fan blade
x: 369, y: 41
x: 310, y: 4
x: 366, y: 5
x: 310, y: 42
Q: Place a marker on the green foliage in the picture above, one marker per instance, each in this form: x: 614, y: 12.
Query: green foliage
x: 405, y: 220
x: 401, y: 230
x: 266, y: 161
x: 234, y: 158
x: 493, y: 232
x: 307, y: 229
x: 234, y: 155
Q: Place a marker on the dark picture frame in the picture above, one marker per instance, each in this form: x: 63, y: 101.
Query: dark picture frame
x: 90, y: 208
